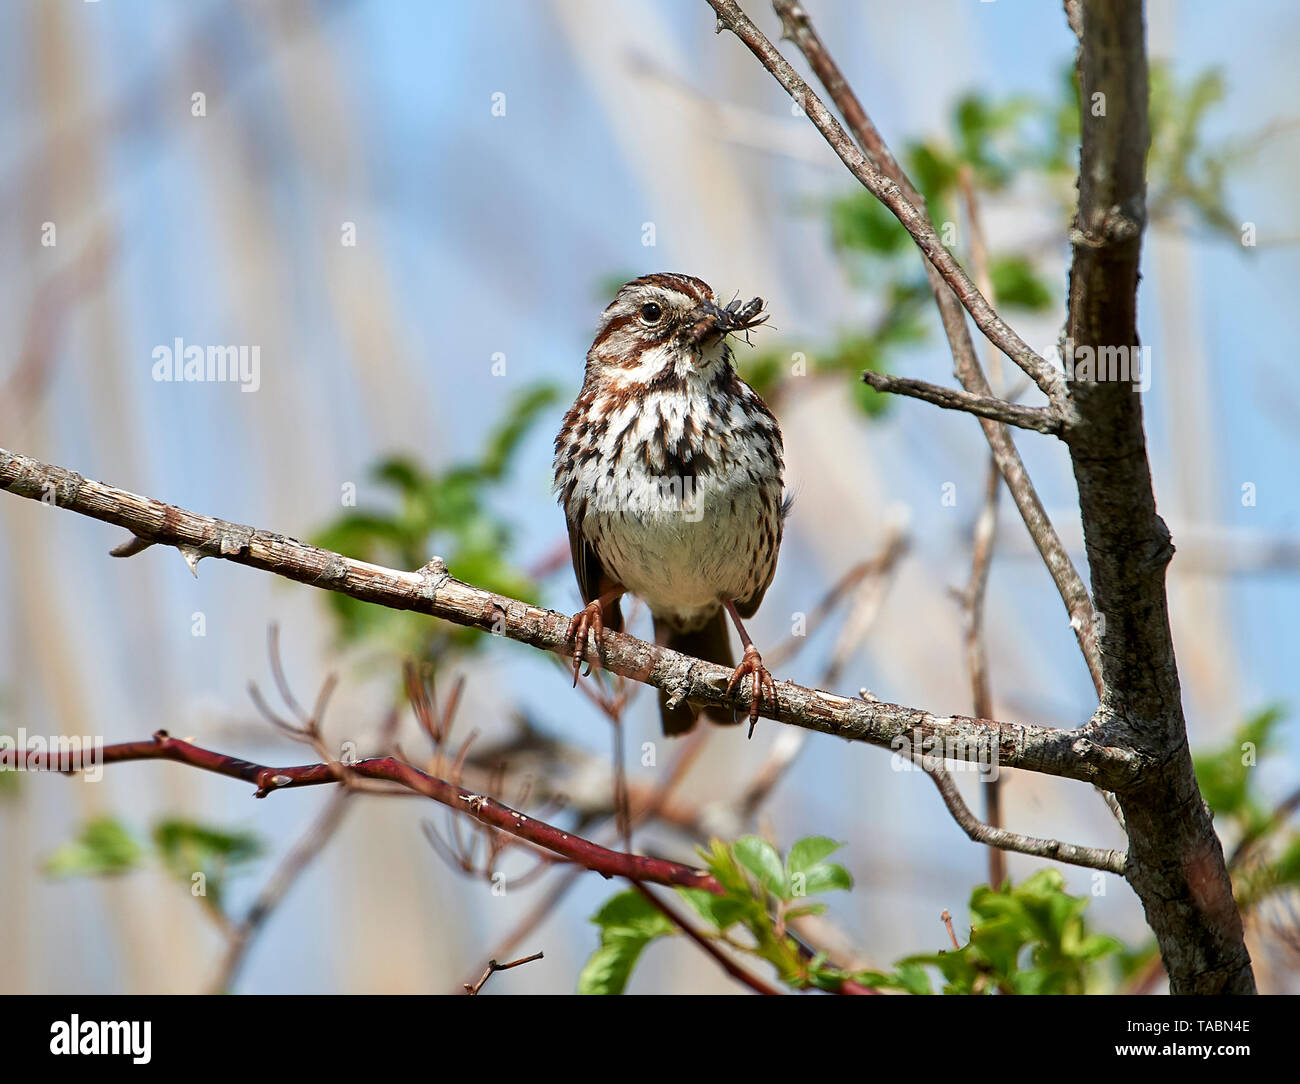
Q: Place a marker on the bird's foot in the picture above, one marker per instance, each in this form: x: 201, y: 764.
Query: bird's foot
x: 752, y: 665
x: 589, y: 619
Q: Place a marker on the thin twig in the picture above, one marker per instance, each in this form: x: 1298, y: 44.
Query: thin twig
x: 304, y: 851
x: 983, y: 541
x: 946, y: 917
x: 890, y: 193
x: 1040, y: 419
x: 568, y: 846
x: 977, y: 663
x: 493, y: 967
x: 1089, y: 857
x: 686, y: 755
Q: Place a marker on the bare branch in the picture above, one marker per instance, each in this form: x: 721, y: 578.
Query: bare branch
x: 493, y: 967
x: 966, y: 366
x: 304, y: 851
x: 1175, y: 858
x: 1090, y: 857
x: 977, y: 663
x: 946, y: 918
x: 1040, y: 419
x: 915, y: 221
x: 1071, y: 754
x: 487, y: 810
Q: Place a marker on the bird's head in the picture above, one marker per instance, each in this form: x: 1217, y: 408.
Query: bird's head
x: 668, y: 321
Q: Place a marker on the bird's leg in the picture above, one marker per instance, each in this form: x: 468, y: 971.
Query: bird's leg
x: 751, y: 664
x: 590, y: 618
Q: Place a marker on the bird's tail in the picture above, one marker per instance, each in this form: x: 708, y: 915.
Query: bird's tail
x: 710, y: 643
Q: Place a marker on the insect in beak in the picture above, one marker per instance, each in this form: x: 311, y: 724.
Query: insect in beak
x: 711, y: 320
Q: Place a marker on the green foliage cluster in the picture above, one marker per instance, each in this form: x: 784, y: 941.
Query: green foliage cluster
x: 761, y: 893
x: 106, y: 847
x: 1228, y: 777
x: 1025, y: 939
x: 447, y: 512
x: 1029, y: 938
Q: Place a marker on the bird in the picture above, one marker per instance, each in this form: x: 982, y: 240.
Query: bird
x: 669, y: 468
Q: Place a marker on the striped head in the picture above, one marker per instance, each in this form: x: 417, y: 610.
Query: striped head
x: 666, y: 323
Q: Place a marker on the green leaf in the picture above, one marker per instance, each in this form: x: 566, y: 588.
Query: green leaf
x: 913, y: 979
x: 760, y: 858
x: 608, y: 968
x: 401, y: 473
x: 632, y: 914
x: 1026, y: 938
x: 807, y: 852
x: 190, y: 846
x: 823, y: 877
x: 1224, y: 774
x: 628, y: 922
x: 187, y: 848
x: 721, y: 912
x: 934, y: 172
x: 1016, y: 283
x: 103, y: 848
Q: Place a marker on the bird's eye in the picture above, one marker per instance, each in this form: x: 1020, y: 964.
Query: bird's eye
x: 650, y: 312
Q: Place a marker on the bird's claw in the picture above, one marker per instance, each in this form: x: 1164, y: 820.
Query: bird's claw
x: 752, y: 665
x: 585, y: 620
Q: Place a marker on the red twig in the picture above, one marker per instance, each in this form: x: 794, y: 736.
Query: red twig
x: 729, y: 966
x: 573, y: 848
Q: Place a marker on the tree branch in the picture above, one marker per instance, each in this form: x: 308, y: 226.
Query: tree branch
x: 472, y: 988
x: 487, y: 810
x: 1043, y: 420
x: 916, y: 222
x: 1090, y: 857
x: 1071, y: 754
x: 1175, y: 858
x: 966, y: 367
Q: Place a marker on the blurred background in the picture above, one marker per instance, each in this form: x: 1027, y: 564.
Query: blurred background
x: 414, y: 213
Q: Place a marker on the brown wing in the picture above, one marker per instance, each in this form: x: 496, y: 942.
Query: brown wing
x: 773, y: 530
x: 593, y: 580
x: 767, y: 432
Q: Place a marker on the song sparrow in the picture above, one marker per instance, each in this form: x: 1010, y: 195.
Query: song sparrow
x: 668, y: 466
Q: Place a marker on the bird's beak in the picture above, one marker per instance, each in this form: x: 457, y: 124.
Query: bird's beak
x: 710, y: 319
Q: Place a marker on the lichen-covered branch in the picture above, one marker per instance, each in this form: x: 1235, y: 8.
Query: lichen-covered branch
x: 984, y: 406
x: 1072, y: 754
